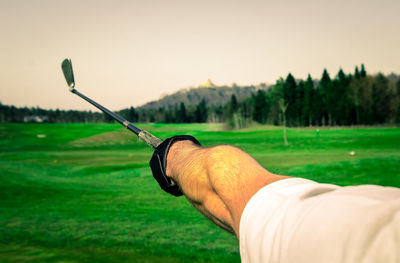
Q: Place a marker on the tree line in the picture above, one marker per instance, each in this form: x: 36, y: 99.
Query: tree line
x: 346, y: 99
x: 36, y: 114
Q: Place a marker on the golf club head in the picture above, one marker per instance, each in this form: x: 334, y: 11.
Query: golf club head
x: 68, y: 73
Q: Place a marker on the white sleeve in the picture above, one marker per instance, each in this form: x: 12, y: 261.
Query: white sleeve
x: 298, y: 220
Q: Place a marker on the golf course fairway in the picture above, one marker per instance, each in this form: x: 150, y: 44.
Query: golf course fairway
x: 85, y: 192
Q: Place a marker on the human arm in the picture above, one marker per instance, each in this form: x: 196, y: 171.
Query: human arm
x: 218, y: 181
x: 289, y: 219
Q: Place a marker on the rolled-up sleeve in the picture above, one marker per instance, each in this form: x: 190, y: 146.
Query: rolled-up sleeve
x: 298, y: 220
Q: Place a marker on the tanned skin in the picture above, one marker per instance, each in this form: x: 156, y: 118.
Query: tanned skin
x: 218, y: 181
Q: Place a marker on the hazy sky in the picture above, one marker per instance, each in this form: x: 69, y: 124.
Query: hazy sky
x: 130, y: 52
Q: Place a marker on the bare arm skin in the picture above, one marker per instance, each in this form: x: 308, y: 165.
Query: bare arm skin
x: 218, y: 181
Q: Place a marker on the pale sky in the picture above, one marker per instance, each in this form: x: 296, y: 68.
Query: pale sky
x: 126, y: 53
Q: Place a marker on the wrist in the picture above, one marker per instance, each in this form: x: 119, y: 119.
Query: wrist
x: 178, y: 154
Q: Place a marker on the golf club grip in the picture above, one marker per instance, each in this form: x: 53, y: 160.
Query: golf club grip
x: 150, y: 139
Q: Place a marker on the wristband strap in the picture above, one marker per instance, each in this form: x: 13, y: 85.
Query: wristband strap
x: 158, y: 163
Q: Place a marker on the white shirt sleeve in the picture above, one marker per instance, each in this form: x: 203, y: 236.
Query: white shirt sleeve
x: 298, y: 220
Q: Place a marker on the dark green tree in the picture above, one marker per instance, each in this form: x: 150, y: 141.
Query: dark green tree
x: 381, y: 99
x: 363, y: 72
x: 327, y: 97
x: 201, y: 112
x: 233, y: 105
x: 341, y: 113
x: 299, y: 103
x: 132, y: 115
x: 289, y: 96
x: 308, y: 102
x: 261, y: 107
x: 357, y: 74
x: 181, y: 116
x: 275, y: 94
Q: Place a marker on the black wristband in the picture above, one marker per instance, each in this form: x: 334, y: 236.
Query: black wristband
x: 158, y: 163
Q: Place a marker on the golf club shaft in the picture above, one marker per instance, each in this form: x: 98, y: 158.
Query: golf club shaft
x: 148, y: 138
x: 118, y: 118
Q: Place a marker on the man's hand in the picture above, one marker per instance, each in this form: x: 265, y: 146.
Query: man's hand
x: 218, y: 181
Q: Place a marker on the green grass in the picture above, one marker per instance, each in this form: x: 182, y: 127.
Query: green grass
x: 85, y: 193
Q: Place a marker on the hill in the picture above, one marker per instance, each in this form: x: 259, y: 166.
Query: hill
x: 212, y: 95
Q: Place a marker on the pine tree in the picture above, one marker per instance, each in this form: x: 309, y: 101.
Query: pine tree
x: 307, y: 102
x: 357, y: 74
x: 234, y: 103
x: 289, y: 96
x: 181, y: 114
x: 261, y: 107
x: 299, y: 103
x: 363, y: 73
x: 275, y: 94
x: 381, y: 99
x: 132, y: 114
x: 328, y: 102
x: 341, y: 113
x: 201, y: 112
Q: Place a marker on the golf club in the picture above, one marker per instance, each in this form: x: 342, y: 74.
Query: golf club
x: 145, y: 136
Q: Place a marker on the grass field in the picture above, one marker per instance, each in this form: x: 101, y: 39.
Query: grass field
x: 85, y: 193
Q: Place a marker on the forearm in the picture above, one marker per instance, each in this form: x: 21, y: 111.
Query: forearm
x: 187, y: 166
x: 218, y: 181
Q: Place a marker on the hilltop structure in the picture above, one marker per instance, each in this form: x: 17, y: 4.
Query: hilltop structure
x: 208, y: 84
